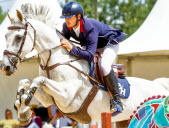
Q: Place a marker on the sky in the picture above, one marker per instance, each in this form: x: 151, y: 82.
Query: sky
x: 7, y: 4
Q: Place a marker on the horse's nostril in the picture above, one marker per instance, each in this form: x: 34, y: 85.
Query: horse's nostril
x: 7, y: 68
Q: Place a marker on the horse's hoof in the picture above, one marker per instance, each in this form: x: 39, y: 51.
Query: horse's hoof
x: 25, y: 123
x: 25, y: 115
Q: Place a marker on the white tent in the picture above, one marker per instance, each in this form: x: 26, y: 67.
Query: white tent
x: 145, y: 53
x: 152, y: 36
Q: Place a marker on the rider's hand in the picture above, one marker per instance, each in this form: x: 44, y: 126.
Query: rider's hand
x: 65, y: 43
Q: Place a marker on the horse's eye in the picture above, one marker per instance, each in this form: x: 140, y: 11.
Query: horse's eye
x: 18, y: 38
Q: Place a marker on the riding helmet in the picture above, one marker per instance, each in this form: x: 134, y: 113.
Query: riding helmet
x: 71, y: 9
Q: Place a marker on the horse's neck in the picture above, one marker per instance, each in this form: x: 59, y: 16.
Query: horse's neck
x: 46, y: 38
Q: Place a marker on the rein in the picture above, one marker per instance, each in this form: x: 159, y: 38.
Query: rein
x: 7, y: 52
x: 46, y: 67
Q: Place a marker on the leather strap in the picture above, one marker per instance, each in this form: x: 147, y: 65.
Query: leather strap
x: 81, y: 115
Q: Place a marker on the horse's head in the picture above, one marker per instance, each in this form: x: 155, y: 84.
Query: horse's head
x: 18, y: 44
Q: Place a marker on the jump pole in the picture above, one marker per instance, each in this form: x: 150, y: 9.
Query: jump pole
x: 106, y: 120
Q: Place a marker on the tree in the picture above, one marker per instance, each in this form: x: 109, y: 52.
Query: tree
x: 89, y: 7
x: 127, y: 15
x: 133, y: 13
x: 2, y: 15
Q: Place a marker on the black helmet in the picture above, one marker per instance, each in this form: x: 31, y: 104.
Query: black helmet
x: 71, y: 9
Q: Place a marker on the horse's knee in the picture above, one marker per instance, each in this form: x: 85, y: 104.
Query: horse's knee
x: 39, y: 80
x: 25, y: 82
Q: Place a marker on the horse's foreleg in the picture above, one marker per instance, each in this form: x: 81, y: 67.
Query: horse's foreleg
x: 21, y: 103
x: 24, y: 84
x: 24, y: 96
x: 20, y: 92
x: 44, y: 98
x: 62, y: 92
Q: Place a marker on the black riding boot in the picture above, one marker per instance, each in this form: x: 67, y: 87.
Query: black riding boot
x: 112, y: 83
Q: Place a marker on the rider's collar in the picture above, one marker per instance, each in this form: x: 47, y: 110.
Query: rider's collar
x: 81, y: 26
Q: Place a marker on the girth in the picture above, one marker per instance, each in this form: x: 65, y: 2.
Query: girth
x: 81, y: 115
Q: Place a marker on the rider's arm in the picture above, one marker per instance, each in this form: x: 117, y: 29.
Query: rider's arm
x: 91, y: 46
x: 115, y: 36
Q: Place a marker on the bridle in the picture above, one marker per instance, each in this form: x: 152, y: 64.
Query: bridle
x: 46, y: 67
x: 7, y: 52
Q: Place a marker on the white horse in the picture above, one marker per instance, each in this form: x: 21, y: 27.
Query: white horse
x: 67, y: 87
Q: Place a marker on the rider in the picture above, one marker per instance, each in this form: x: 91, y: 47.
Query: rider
x: 94, y: 36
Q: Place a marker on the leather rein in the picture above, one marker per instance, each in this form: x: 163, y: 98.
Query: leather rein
x: 7, y: 52
x: 46, y: 67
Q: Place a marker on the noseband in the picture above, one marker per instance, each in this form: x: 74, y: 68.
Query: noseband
x: 7, y: 52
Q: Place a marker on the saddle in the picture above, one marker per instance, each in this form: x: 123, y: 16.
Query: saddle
x: 96, y: 73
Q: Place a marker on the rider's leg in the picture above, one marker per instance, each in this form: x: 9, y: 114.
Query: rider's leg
x: 108, y: 57
x: 111, y: 82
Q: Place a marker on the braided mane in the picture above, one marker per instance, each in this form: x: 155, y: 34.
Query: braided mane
x: 47, y: 11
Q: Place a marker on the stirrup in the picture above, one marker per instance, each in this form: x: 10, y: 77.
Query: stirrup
x: 115, y: 107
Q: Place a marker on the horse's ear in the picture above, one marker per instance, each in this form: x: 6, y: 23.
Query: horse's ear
x: 9, y: 17
x: 166, y: 101
x: 20, y: 17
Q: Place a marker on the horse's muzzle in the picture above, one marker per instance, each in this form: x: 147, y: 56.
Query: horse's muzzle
x: 6, y: 69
